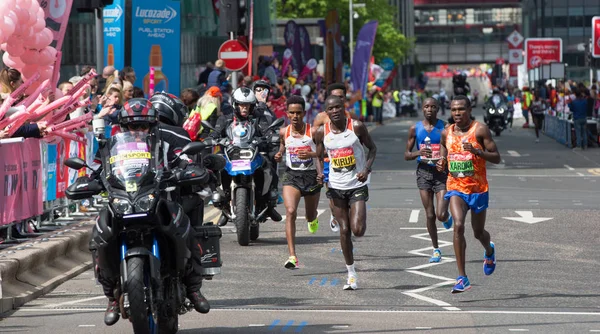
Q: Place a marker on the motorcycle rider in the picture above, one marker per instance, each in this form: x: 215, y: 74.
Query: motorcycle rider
x: 139, y: 115
x: 244, y: 104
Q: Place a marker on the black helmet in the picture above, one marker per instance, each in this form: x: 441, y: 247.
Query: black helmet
x: 138, y: 111
x: 261, y: 83
x: 171, y: 110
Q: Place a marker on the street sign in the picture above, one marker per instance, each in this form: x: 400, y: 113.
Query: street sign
x: 514, y: 39
x: 527, y: 217
x: 543, y: 51
x: 596, y: 37
x: 515, y: 56
x: 234, y: 54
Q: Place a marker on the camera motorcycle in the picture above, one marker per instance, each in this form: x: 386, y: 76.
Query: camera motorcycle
x: 498, y: 114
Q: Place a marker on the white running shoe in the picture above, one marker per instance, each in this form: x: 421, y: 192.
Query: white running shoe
x: 351, y: 283
x: 333, y: 224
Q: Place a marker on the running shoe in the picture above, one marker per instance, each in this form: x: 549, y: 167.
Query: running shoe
x: 351, y: 283
x: 462, y: 284
x: 448, y: 223
x: 333, y: 224
x: 279, y: 199
x: 436, y: 257
x: 313, y: 226
x: 292, y: 263
x: 489, y: 262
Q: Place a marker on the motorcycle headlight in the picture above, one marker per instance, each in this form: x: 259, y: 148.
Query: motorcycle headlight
x: 144, y: 204
x: 122, y: 206
x: 501, y: 110
x: 491, y: 111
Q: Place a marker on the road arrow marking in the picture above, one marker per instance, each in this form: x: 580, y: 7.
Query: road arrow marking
x: 527, y: 217
x: 514, y: 154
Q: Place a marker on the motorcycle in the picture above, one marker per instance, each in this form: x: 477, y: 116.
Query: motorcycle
x: 243, y: 156
x: 151, y: 230
x: 497, y: 114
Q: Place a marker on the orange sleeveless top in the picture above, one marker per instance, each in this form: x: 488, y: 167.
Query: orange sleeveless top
x: 467, y: 173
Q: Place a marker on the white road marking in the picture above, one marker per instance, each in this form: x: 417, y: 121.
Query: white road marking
x: 595, y: 330
x: 518, y: 330
x: 514, y: 154
x: 86, y: 326
x: 414, y: 216
x: 569, y: 167
x: 492, y: 312
x: 422, y: 327
x: 74, y: 301
x: 580, y: 174
x: 533, y: 201
x: 339, y: 326
x: 298, y: 218
x: 256, y: 325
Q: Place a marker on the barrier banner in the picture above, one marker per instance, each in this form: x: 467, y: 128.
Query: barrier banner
x: 44, y: 175
x: 73, y: 151
x: 61, y: 170
x: 10, y: 178
x: 51, y: 172
x: 31, y: 200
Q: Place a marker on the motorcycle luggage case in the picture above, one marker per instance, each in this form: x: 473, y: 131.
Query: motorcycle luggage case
x: 208, y: 236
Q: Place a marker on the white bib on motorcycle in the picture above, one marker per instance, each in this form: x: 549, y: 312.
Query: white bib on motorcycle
x: 293, y: 145
x: 346, y: 157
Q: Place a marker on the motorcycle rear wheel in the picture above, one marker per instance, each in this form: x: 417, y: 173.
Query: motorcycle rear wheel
x: 142, y: 320
x: 242, y: 216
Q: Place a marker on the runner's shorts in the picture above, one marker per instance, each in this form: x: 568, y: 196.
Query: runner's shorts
x: 303, y: 180
x: 428, y: 178
x: 351, y: 195
x: 477, y: 202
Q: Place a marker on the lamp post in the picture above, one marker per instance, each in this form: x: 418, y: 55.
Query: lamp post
x: 351, y: 19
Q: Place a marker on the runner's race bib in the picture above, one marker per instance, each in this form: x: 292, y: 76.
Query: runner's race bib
x: 295, y: 161
x: 461, y: 164
x: 342, y: 159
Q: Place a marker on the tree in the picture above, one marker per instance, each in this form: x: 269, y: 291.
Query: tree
x: 389, y: 42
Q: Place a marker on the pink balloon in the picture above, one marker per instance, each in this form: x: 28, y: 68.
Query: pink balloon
x: 31, y: 57
x: 36, y: 41
x: 31, y: 89
x: 3, y: 46
x: 45, y: 72
x: 2, y: 37
x: 47, y: 56
x: 39, y: 24
x: 7, y: 25
x: 47, y: 37
x: 15, y: 47
x: 12, y: 62
x: 29, y: 70
x: 22, y: 14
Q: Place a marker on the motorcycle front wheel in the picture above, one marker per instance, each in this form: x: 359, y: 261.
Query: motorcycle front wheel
x: 242, y: 216
x: 141, y: 318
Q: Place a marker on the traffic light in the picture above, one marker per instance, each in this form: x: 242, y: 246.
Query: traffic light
x: 232, y: 17
x: 90, y: 5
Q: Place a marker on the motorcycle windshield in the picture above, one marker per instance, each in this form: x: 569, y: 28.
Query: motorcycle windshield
x: 130, y: 159
x: 241, y: 134
x: 497, y: 101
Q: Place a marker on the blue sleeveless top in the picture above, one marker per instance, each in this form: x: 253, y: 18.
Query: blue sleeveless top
x: 435, y: 136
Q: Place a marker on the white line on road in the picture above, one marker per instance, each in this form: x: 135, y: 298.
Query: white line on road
x: 74, y: 302
x: 569, y: 167
x: 422, y: 327
x: 86, y: 326
x: 518, y: 330
x: 414, y: 216
x: 595, y: 330
x: 514, y: 154
x: 256, y: 325
x: 580, y: 174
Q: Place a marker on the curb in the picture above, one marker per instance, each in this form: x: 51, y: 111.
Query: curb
x: 30, y: 270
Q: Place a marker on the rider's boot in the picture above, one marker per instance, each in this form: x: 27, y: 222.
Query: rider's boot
x: 272, y: 203
x: 111, y: 315
x: 200, y: 303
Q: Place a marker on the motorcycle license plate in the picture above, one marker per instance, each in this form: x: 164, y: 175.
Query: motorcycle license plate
x: 240, y: 165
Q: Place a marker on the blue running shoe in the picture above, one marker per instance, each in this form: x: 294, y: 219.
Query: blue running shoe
x: 279, y: 199
x: 448, y: 224
x: 462, y: 284
x: 436, y: 257
x: 489, y: 262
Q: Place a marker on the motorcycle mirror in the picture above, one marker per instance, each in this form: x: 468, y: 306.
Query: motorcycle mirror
x: 75, y: 163
x: 208, y: 125
x: 277, y: 123
x: 194, y: 147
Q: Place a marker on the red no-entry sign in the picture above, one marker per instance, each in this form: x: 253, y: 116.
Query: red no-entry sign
x: 234, y: 54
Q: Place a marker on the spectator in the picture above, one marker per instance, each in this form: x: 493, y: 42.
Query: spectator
x: 111, y: 103
x: 127, y: 91
x: 138, y: 93
x: 65, y: 87
x: 247, y: 82
x: 106, y: 73
x: 203, y: 78
x: 31, y: 130
x: 112, y: 80
x: 579, y: 109
x: 10, y: 80
x: 260, y: 68
x: 218, y: 74
x: 209, y: 107
x: 190, y: 98
x: 128, y: 74
x: 270, y: 71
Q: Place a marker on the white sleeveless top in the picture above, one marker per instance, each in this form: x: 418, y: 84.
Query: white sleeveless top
x: 293, y: 145
x: 346, y: 157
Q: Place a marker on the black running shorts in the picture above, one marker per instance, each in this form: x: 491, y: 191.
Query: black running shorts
x: 351, y: 195
x: 303, y: 180
x: 428, y: 178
